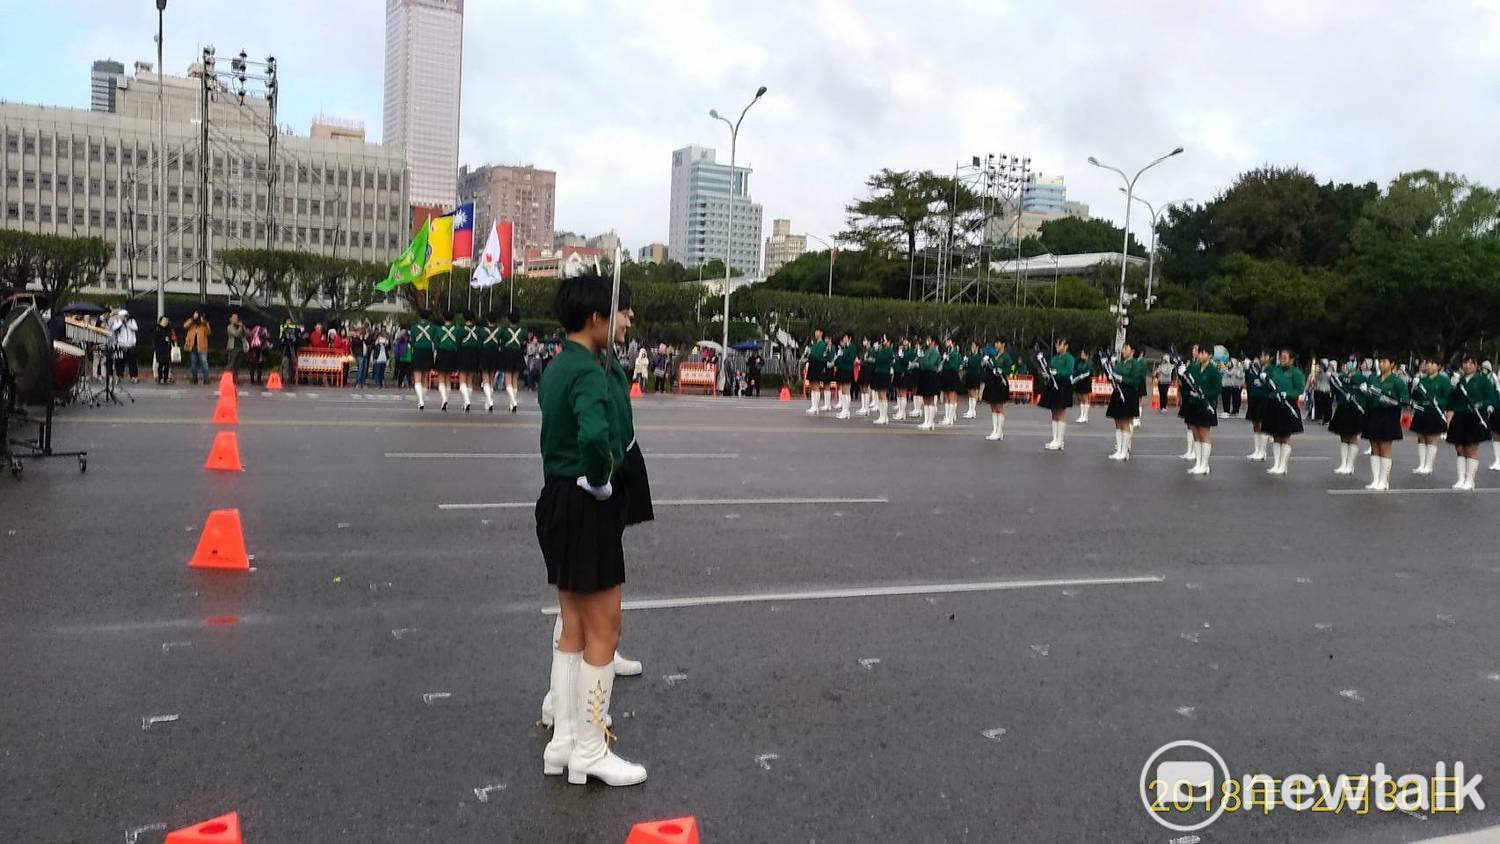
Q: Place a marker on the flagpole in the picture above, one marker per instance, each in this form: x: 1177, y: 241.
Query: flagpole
x: 513, y: 265
x: 614, y: 303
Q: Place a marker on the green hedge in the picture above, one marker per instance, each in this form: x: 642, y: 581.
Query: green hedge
x: 1165, y: 329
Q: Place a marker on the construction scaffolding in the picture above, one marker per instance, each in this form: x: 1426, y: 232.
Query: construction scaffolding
x: 978, y: 224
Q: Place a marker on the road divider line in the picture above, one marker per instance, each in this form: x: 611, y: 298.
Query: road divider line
x: 519, y: 455
x: 684, y: 502
x: 878, y: 592
x: 1410, y: 491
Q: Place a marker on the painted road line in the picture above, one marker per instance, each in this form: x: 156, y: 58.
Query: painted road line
x: 1226, y: 458
x: 1410, y: 491
x: 517, y: 455
x: 685, y: 502
x: 879, y: 592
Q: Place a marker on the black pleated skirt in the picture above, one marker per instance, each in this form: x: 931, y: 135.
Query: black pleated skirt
x: 489, y: 359
x: 1200, y: 415
x: 1467, y: 429
x: 1255, y: 409
x: 1428, y: 422
x: 880, y: 380
x: 580, y: 536
x: 1084, y: 387
x: 1347, y: 421
x: 843, y: 376
x: 950, y: 381
x: 1124, y: 403
x: 468, y: 360
x: 815, y: 372
x: 909, y: 380
x: 1382, y: 424
x: 446, y: 360
x: 927, y: 384
x: 421, y: 360
x: 1059, y: 398
x: 633, y: 481
x: 996, y: 389
x: 512, y: 360
x: 973, y: 380
x: 1280, y: 420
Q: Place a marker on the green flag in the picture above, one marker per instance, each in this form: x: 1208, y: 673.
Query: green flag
x: 409, y: 268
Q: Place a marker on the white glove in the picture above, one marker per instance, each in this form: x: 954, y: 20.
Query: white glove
x: 600, y: 493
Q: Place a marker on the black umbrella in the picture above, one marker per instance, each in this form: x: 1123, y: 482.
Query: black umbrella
x: 89, y: 308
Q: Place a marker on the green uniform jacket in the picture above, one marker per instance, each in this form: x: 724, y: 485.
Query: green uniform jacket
x: 931, y: 359
x: 1258, y: 383
x: 1480, y: 394
x: 975, y: 364
x: 489, y: 337
x: 1289, y: 381
x: 815, y: 349
x: 885, y: 358
x: 512, y: 337
x: 1210, y: 381
x: 954, y: 360
x: 1061, y: 367
x: 468, y: 337
x: 830, y: 353
x: 423, y: 334
x: 1350, y: 395
x: 1081, y: 372
x: 844, y: 361
x: 447, y: 337
x: 1132, y: 373
x: 1431, y: 392
x: 1389, y: 391
x: 1004, y: 364
x: 578, y: 438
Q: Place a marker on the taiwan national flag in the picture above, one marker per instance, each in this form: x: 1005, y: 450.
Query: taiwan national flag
x: 463, y: 232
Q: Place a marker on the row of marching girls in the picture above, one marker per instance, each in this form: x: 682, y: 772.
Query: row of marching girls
x: 1459, y: 407
x: 459, y: 349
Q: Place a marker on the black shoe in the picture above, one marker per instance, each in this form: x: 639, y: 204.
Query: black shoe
x: 513, y: 408
x: 445, y: 407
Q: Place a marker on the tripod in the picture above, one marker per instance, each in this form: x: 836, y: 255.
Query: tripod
x: 114, y: 356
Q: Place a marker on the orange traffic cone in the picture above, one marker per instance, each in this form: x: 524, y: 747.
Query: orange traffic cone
x: 675, y: 831
x: 226, y: 413
x: 226, y: 378
x: 273, y: 382
x: 228, y: 393
x: 224, y: 829
x: 222, y: 545
x: 225, y: 455
x: 786, y: 393
x: 635, y: 390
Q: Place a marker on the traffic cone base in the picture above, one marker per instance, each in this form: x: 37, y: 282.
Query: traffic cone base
x: 635, y: 390
x: 273, y: 381
x: 222, y: 545
x: 225, y: 455
x: 224, y: 829
x: 226, y: 413
x: 786, y: 394
x: 674, y: 831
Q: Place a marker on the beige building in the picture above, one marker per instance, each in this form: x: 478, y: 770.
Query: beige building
x: 655, y: 253
x: 80, y: 172
x: 523, y: 194
x: 326, y: 128
x: 424, y: 51
x: 783, y: 247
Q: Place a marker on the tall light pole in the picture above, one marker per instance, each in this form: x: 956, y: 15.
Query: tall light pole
x: 1155, y: 219
x: 831, y: 255
x: 161, y: 166
x: 1122, y: 319
x: 734, y: 137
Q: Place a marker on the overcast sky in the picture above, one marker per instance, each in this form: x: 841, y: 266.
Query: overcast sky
x: 602, y: 92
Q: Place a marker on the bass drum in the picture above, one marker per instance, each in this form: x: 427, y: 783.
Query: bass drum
x: 67, y: 367
x: 28, y: 355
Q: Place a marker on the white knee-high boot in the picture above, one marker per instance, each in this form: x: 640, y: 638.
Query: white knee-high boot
x: 828, y: 399
x: 510, y: 393
x: 1192, y: 451
x: 973, y: 401
x: 564, y: 721
x: 416, y: 384
x: 1119, y: 452
x: 1495, y: 466
x: 591, y: 756
x: 843, y: 404
x: 443, y: 391
x: 995, y: 419
x: 1129, y: 440
x: 929, y: 412
x: 1375, y: 465
x: 900, y: 408
x: 489, y: 396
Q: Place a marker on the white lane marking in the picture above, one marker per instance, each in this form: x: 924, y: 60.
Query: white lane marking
x: 1187, y: 711
x: 876, y: 592
x: 518, y: 455
x: 764, y: 760
x: 674, y: 679
x: 870, y: 662
x: 994, y: 733
x: 134, y: 835
x: 1191, y: 637
x: 686, y: 502
x: 399, y: 632
x: 151, y: 720
x: 168, y: 646
x: 483, y: 793
x: 1411, y: 491
x: 1041, y: 650
x: 1228, y: 458
x: 429, y: 697
x: 1352, y: 694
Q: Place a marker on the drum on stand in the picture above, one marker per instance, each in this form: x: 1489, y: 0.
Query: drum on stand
x: 67, y: 367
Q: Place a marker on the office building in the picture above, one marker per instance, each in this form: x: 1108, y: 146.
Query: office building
x: 783, y: 247
x: 104, y: 78
x: 699, y: 229
x: 1045, y: 195
x: 654, y: 253
x: 424, y: 44
x: 564, y: 262
x: 522, y: 194
x: 87, y: 173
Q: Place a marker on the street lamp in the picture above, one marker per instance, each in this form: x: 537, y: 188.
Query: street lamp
x: 1125, y: 249
x: 831, y: 255
x: 734, y: 136
x: 1155, y: 218
x: 161, y: 166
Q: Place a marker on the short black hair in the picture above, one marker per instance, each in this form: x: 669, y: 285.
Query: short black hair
x: 584, y: 295
x: 515, y: 315
x: 422, y: 314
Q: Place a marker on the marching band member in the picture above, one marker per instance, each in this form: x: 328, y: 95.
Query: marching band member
x: 864, y: 379
x: 423, y: 344
x: 1204, y: 382
x: 905, y: 374
x: 1083, y: 385
x: 489, y: 359
x: 813, y: 374
x: 882, y: 370
x: 1192, y: 443
x: 1282, y: 420
x: 1470, y: 408
x: 447, y: 356
x: 469, y: 345
x: 1348, y: 420
x: 1058, y: 396
x: 951, y: 381
x: 1494, y: 377
x: 1130, y: 374
x: 997, y: 371
x: 1385, y: 394
x: 927, y: 382
x: 830, y: 373
x: 1258, y: 391
x: 513, y: 357
x: 843, y: 368
x: 1429, y: 422
x: 973, y: 376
